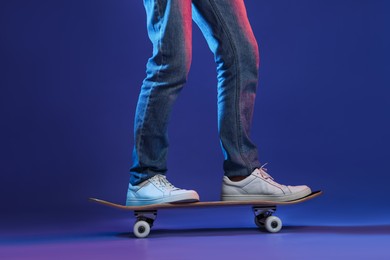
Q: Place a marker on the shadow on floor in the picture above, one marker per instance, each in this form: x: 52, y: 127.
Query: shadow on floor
x: 193, y: 232
x: 60, y: 237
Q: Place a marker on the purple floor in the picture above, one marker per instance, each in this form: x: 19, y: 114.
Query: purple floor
x: 197, y: 234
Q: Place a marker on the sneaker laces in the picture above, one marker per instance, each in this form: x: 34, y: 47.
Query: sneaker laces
x: 162, y: 182
x: 264, y: 173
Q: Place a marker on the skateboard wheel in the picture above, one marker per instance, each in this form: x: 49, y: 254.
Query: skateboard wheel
x: 141, y: 229
x: 273, y: 224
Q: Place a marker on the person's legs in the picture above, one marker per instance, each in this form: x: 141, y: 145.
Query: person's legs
x: 170, y: 31
x: 169, y: 24
x: 229, y: 35
x: 227, y: 30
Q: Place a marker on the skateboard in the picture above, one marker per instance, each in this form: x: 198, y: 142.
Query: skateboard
x: 263, y: 211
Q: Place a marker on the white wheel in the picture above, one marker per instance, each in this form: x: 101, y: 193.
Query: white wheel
x: 273, y: 224
x: 141, y: 229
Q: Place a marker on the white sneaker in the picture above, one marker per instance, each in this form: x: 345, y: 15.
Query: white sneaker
x: 260, y: 186
x: 157, y: 190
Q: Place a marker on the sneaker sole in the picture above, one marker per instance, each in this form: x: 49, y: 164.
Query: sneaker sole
x: 276, y: 198
x: 182, y: 198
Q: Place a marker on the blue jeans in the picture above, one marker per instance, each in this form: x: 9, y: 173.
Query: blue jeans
x: 225, y: 25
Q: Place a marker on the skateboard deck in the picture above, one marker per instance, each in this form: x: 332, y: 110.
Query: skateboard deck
x: 262, y: 209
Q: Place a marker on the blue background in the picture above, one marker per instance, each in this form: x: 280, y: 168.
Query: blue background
x: 70, y: 76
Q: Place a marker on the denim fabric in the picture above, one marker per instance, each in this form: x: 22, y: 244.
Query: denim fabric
x: 225, y: 25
